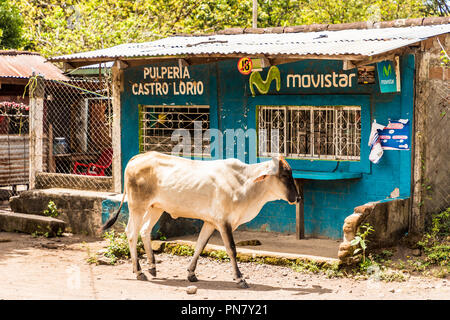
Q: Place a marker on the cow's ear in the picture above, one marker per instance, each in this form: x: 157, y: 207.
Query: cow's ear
x: 276, y: 165
x: 261, y: 178
x: 283, y: 163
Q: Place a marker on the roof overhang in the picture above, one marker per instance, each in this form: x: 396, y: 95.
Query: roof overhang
x: 356, y: 46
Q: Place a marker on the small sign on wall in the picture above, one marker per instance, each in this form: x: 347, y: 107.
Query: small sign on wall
x: 395, y: 136
x: 245, y: 65
x: 389, y: 76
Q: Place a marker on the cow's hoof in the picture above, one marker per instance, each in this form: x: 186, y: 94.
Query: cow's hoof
x: 242, y: 284
x: 152, y: 272
x: 192, y: 278
x: 142, y: 277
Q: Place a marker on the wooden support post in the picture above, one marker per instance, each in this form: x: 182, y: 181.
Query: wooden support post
x: 348, y: 65
x: 265, y: 62
x: 51, y: 157
x: 36, y: 131
x: 397, y: 72
x: 117, y: 87
x: 182, y: 63
x: 255, y: 14
x: 300, y: 213
x: 422, y: 92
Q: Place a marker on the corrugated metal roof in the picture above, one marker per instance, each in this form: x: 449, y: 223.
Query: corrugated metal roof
x: 108, y: 64
x: 366, y: 42
x: 22, y: 64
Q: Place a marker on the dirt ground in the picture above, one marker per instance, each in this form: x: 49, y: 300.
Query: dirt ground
x: 56, y: 268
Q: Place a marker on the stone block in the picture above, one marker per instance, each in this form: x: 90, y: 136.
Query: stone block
x: 81, y: 210
x: 366, y: 208
x: 436, y: 73
x: 388, y: 218
x: 29, y: 223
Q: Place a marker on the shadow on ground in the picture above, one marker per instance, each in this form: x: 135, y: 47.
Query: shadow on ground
x: 230, y: 285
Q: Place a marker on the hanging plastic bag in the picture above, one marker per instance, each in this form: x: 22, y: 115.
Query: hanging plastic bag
x: 376, y: 151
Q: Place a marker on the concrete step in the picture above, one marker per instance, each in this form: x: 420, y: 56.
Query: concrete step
x: 30, y: 223
x: 82, y: 210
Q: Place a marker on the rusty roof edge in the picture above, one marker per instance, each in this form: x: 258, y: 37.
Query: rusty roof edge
x: 399, y: 23
x: 15, y: 64
x: 17, y: 53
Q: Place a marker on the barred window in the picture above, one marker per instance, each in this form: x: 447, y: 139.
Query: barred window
x: 158, y: 123
x: 310, y: 132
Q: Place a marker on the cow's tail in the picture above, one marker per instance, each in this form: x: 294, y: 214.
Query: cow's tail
x: 113, y: 218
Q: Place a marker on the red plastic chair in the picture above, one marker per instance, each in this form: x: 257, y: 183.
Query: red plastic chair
x: 98, y: 168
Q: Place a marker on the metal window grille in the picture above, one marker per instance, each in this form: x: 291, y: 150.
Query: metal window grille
x: 158, y: 123
x: 310, y: 132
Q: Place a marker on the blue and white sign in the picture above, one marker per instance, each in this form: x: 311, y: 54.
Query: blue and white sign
x: 396, y: 136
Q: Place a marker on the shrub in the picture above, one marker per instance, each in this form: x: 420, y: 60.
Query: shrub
x: 52, y: 210
x: 436, y: 243
x: 118, y: 246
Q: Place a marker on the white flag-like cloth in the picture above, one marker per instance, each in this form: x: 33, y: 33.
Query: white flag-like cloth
x: 376, y: 151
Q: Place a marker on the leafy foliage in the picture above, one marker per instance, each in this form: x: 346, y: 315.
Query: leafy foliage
x: 52, y: 210
x: 440, y: 7
x: 436, y: 243
x: 445, y: 60
x: 56, y: 27
x: 118, y: 246
x: 10, y: 26
x: 360, y: 240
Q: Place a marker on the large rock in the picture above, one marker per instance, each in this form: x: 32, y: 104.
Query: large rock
x: 389, y: 218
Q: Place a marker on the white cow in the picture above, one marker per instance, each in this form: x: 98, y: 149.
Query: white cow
x: 222, y: 193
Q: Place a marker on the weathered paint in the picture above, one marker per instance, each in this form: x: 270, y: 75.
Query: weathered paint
x: 326, y: 202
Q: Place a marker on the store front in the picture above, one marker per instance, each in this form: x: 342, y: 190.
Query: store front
x: 357, y: 110
x: 321, y: 115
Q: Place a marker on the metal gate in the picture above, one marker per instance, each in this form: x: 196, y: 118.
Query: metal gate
x: 14, y: 147
x: 76, y: 134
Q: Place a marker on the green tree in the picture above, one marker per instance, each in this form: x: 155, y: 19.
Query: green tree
x: 10, y: 26
x: 438, y: 7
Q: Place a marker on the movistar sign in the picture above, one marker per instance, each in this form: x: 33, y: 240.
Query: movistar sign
x: 387, y: 77
x: 387, y: 70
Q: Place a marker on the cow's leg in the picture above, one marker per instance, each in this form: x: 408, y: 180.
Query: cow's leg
x: 203, y: 238
x: 132, y: 231
x: 150, y: 218
x: 227, y: 237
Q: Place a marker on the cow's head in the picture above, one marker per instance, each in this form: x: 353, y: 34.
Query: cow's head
x: 281, y: 180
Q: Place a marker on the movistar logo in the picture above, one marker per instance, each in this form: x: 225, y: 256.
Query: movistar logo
x: 263, y: 86
x: 387, y: 71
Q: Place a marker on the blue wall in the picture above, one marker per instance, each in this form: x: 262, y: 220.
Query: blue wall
x: 326, y: 203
